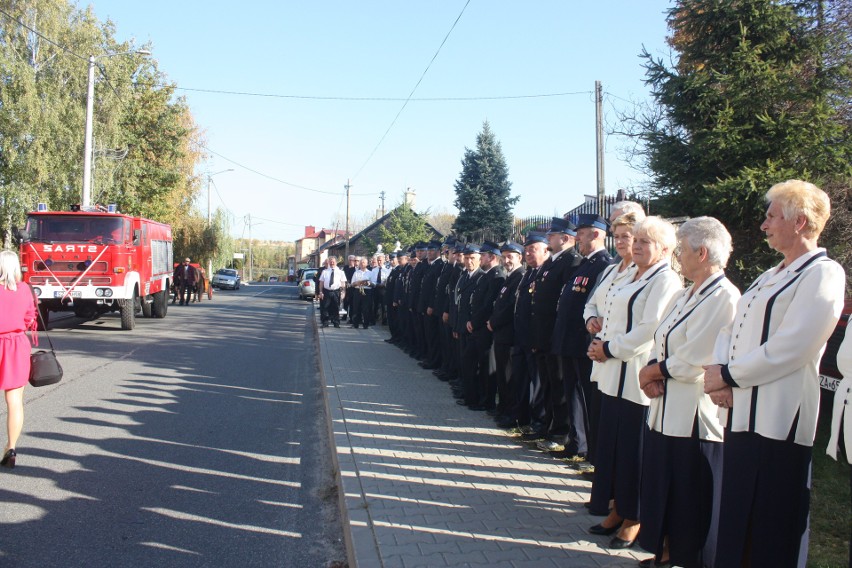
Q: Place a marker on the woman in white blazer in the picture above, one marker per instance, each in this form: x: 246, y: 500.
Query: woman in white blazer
x: 683, y: 445
x: 766, y: 377
x: 619, y: 351
x: 841, y: 417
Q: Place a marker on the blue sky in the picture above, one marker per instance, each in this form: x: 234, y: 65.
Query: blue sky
x: 379, y: 49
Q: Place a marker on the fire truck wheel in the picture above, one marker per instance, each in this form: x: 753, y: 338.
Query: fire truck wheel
x: 146, y: 307
x: 128, y: 312
x: 160, y: 305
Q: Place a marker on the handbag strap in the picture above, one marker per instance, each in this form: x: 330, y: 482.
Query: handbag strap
x: 41, y: 318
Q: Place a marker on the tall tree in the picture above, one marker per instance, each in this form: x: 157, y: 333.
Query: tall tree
x: 483, y: 190
x: 403, y: 225
x: 751, y: 99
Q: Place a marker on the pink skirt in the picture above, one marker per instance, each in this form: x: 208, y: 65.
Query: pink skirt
x: 15, y: 351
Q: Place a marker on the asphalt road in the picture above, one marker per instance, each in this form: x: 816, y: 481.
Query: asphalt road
x: 195, y: 440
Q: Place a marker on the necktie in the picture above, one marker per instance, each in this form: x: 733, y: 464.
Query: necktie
x: 331, y: 279
x: 379, y: 279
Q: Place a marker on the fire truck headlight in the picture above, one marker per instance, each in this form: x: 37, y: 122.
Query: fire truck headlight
x: 99, y: 292
x: 36, y: 290
x: 103, y: 292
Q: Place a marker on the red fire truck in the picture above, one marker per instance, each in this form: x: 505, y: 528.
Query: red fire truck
x: 93, y: 261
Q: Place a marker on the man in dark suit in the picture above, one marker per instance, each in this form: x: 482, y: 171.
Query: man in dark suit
x: 426, y: 306
x: 577, y: 412
x: 480, y: 388
x: 397, y: 293
x: 440, y: 306
x: 555, y: 273
x: 464, y: 290
x: 349, y: 271
x: 449, y: 317
x: 185, y: 278
x: 415, y: 286
x: 501, y: 323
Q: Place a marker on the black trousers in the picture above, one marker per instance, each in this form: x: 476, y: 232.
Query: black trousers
x: 432, y: 331
x: 380, y: 314
x: 475, y: 361
x: 503, y: 371
x: 578, y: 389
x: 330, y: 306
x: 524, y: 371
x: 186, y: 292
x: 766, y: 495
x: 362, y: 307
x: 541, y: 408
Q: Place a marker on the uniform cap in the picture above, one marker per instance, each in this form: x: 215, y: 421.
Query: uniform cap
x: 564, y: 226
x: 533, y: 237
x: 471, y: 248
x: 510, y: 246
x: 491, y: 247
x: 591, y: 220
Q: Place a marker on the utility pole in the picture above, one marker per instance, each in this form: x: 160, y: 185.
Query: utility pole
x: 599, y: 145
x: 382, y: 197
x: 346, y: 253
x: 251, y: 258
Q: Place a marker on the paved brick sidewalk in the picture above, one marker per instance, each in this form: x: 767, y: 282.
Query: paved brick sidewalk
x: 429, y: 483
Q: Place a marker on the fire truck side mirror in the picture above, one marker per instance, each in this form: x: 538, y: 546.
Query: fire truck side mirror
x: 19, y: 235
x: 137, y: 237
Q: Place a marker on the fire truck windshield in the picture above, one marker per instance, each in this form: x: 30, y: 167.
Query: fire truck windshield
x: 77, y: 229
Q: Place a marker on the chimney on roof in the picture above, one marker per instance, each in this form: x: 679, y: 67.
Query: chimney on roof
x: 410, y: 197
x: 309, y: 230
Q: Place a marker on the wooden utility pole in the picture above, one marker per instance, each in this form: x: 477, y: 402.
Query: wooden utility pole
x: 346, y: 253
x: 599, y: 141
x: 382, y: 197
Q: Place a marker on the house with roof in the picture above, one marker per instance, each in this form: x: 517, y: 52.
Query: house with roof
x: 314, y: 239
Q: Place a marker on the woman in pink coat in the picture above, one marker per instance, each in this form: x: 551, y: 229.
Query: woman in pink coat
x: 17, y: 315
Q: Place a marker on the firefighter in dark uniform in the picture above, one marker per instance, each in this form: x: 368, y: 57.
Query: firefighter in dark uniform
x: 440, y: 307
x: 450, y: 316
x: 349, y: 271
x: 501, y: 323
x: 571, y: 343
x: 555, y: 273
x: 480, y: 386
x: 401, y: 316
x: 390, y: 288
x: 426, y: 306
x: 524, y: 370
x: 417, y: 343
x: 464, y: 289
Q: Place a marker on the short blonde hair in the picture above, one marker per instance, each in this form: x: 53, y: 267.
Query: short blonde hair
x: 10, y: 270
x: 797, y: 197
x: 658, y: 230
x: 625, y: 220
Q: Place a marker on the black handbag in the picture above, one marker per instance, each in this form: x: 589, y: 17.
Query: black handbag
x: 44, y: 367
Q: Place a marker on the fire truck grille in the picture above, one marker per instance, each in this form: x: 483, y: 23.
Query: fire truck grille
x: 68, y: 280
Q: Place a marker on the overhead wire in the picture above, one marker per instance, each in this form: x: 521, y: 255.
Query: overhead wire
x: 411, y: 94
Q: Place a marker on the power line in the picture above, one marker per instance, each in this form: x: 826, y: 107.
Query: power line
x: 383, y: 99
x: 411, y: 94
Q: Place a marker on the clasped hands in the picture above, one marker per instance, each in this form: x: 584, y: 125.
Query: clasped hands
x: 720, y: 392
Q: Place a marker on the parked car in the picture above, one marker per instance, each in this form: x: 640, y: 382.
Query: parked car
x: 307, y: 285
x: 226, y: 278
x: 273, y: 279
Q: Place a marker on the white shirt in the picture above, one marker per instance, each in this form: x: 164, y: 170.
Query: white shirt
x: 361, y: 275
x: 339, y: 278
x: 632, y: 314
x: 374, y: 275
x: 770, y: 352
x: 683, y: 343
x: 609, y: 281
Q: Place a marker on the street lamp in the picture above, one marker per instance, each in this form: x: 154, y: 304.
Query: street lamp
x: 90, y: 106
x: 209, y: 180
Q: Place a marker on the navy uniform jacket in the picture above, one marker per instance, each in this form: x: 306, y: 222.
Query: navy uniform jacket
x: 503, y: 316
x: 390, y: 284
x: 523, y: 308
x: 401, y: 285
x: 464, y: 289
x: 452, y: 300
x: 483, y: 296
x: 551, y: 277
x: 570, y: 338
x: 427, y: 287
x: 441, y: 300
x: 415, y: 279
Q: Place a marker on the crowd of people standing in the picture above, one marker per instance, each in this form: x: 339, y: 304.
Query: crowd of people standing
x: 693, y: 407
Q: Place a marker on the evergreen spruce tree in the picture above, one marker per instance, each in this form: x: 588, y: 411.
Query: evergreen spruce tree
x: 403, y: 225
x: 483, y: 191
x: 751, y: 100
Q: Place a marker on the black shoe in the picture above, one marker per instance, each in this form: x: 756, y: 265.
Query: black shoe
x: 9, y: 458
x: 604, y: 531
x: 506, y: 423
x: 654, y: 563
x: 390, y: 340
x: 325, y: 324
x: 477, y: 407
x: 366, y: 326
x: 461, y: 401
x: 619, y: 543
x: 336, y: 324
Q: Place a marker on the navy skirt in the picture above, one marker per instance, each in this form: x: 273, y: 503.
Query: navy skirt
x: 618, y: 464
x: 678, y: 476
x: 765, y: 503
